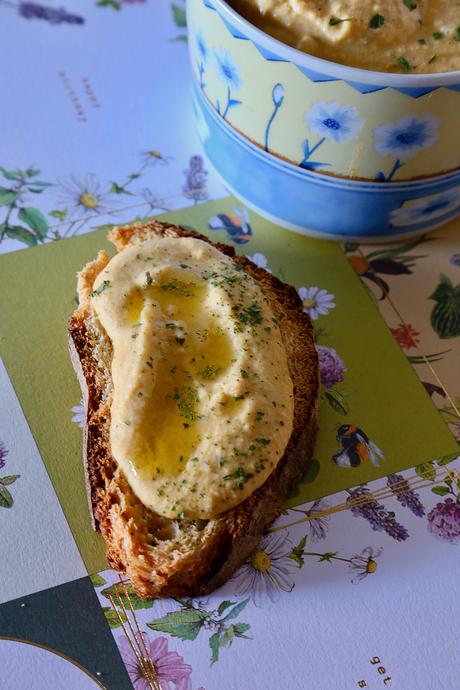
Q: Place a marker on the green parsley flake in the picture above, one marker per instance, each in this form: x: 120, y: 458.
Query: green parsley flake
x: 402, y: 62
x: 148, y: 278
x: 103, y: 286
x: 263, y: 441
x: 438, y: 35
x: 377, y: 21
x: 333, y: 21
x: 240, y: 476
x: 210, y: 372
x: 457, y: 33
x: 410, y: 4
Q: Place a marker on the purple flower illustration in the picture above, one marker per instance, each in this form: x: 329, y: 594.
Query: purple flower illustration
x: 379, y: 518
x: 53, y: 15
x: 168, y: 666
x: 444, y: 520
x: 331, y: 366
x: 3, y: 454
x: 195, y: 180
x: 268, y: 571
x: 79, y: 414
x: 407, y: 498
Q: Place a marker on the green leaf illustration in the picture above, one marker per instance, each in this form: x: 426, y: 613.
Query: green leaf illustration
x: 17, y: 232
x: 9, y: 479
x: 35, y: 220
x: 447, y: 459
x: 426, y: 470
x: 179, y: 16
x: 214, y: 645
x: 10, y: 174
x: 227, y: 637
x: 109, y: 3
x: 60, y: 214
x: 336, y: 401
x: 236, y: 610
x: 32, y: 172
x: 8, y: 197
x: 184, y: 624
x: 297, y: 552
x: 6, y: 499
x: 112, y: 617
x: 118, y: 189
x: 179, y: 39
x: 440, y: 490
x: 240, y: 629
x: 445, y: 317
x: 328, y: 556
x: 225, y: 605
x: 118, y: 592
x: 97, y: 580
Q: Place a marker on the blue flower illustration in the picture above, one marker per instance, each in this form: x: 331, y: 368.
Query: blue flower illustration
x: 229, y: 73
x: 427, y: 208
x: 202, y: 46
x: 407, y: 136
x: 277, y: 98
x: 203, y: 52
x: 228, y: 70
x: 333, y: 121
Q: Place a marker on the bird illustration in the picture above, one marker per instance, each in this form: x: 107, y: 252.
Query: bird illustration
x: 235, y: 224
x: 356, y: 448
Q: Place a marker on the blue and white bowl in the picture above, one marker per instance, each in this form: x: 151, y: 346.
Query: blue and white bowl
x: 322, y: 148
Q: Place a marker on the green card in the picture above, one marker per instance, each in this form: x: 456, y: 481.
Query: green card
x: 369, y: 383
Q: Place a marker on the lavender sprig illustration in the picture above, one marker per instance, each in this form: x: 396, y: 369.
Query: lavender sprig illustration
x: 404, y: 494
x: 379, y: 518
x: 195, y: 186
x: 6, y: 499
x: 53, y: 15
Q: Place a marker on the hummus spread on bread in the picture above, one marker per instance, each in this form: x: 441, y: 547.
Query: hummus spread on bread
x: 385, y: 35
x: 202, y: 403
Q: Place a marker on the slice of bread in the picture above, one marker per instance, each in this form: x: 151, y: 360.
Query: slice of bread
x: 180, y: 557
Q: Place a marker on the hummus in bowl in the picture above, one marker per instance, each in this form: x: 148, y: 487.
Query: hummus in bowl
x: 405, y: 36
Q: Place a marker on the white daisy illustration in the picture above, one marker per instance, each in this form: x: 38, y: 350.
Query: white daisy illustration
x: 316, y: 301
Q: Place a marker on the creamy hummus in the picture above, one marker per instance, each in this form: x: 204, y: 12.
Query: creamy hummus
x: 202, y: 405
x: 385, y: 35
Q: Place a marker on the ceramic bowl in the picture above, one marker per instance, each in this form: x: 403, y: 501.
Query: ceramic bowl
x: 318, y: 147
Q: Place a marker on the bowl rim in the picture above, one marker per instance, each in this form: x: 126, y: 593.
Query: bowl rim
x: 334, y: 69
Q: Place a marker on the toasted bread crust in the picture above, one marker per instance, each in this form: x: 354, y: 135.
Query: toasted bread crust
x: 165, y: 557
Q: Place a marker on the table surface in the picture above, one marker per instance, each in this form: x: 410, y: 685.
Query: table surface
x: 97, y: 129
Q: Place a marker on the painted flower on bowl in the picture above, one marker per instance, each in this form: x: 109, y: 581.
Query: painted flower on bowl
x: 364, y: 564
x: 331, y: 366
x: 202, y: 46
x: 427, y: 208
x: 407, y: 136
x: 316, y: 302
x: 333, y: 121
x: 444, y: 520
x: 168, y: 666
x: 268, y: 572
x: 227, y: 69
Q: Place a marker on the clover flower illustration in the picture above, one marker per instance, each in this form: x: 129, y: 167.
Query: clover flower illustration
x: 364, y: 564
